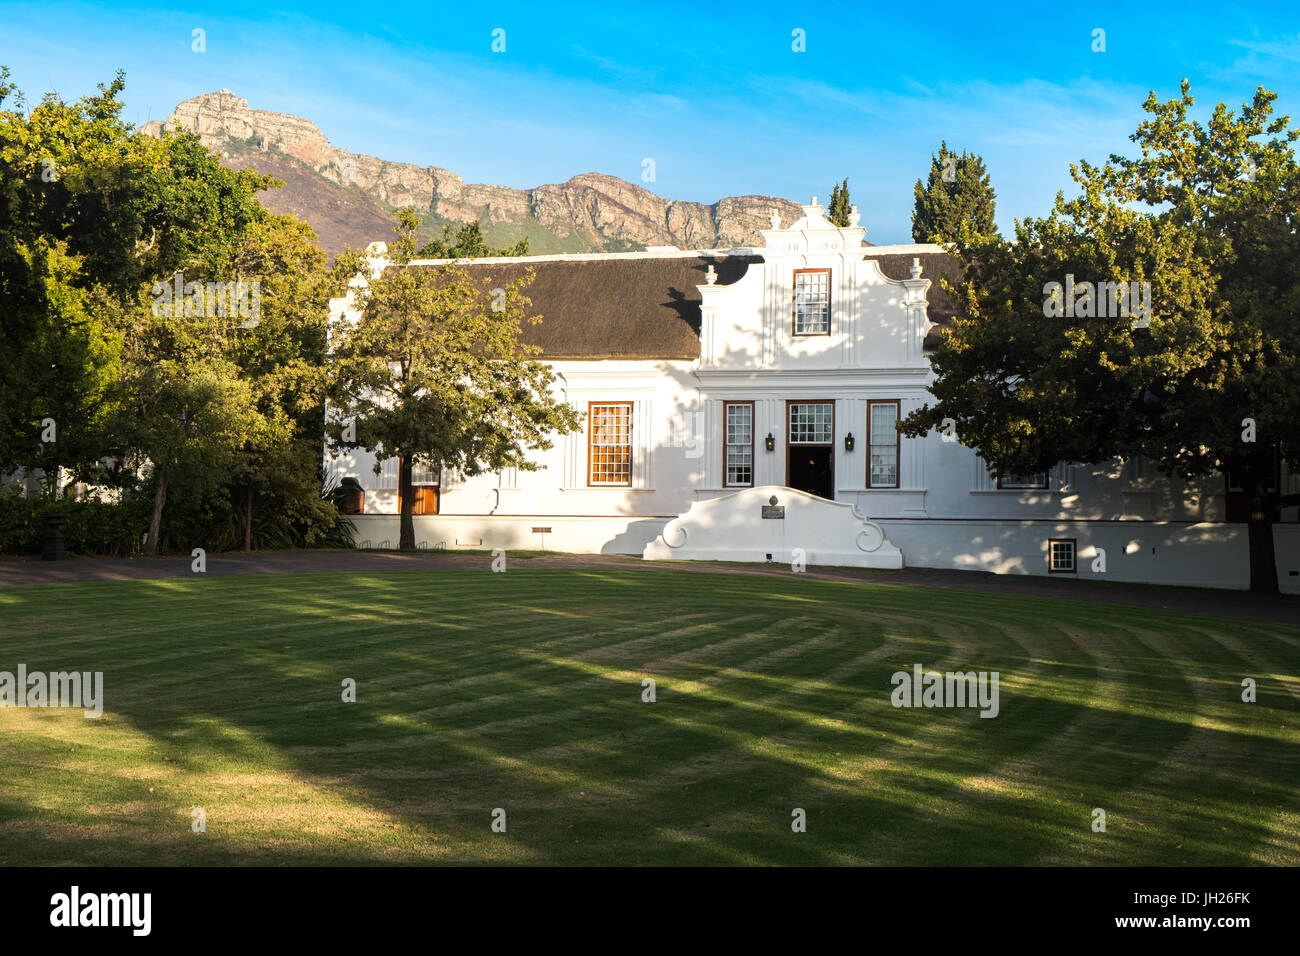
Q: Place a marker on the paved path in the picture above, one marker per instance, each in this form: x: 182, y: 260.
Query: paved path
x: 1238, y: 604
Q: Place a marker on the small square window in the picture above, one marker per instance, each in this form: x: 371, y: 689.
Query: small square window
x: 1060, y: 556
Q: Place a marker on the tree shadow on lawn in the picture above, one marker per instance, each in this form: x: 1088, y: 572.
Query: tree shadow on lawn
x: 528, y: 718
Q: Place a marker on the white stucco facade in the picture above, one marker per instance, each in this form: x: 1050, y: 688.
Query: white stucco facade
x: 940, y: 507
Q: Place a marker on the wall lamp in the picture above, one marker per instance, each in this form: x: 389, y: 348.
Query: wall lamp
x: 848, y: 442
x: 769, y: 442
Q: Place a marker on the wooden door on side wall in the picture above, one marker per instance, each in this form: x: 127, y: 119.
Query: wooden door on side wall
x: 426, y: 500
x: 426, y: 483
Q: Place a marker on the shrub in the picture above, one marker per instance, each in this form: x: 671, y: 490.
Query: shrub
x: 93, y: 526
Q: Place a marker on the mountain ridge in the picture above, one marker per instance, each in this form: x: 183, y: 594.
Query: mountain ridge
x: 350, y: 198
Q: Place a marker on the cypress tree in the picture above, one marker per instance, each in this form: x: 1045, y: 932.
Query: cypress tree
x: 838, y: 211
x: 956, y: 192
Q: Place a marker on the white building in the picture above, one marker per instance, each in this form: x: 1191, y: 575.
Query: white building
x: 720, y: 379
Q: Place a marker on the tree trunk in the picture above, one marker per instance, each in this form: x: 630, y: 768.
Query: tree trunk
x: 248, y: 520
x: 406, y: 495
x: 155, y: 521
x: 1263, y: 560
x: 52, y: 483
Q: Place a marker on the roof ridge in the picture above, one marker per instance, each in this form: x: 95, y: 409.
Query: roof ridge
x: 596, y: 256
x: 902, y: 249
x: 868, y: 252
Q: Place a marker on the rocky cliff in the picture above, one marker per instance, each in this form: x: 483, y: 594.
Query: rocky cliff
x: 349, y: 197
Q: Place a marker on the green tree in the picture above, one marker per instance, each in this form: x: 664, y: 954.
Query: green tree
x: 97, y: 225
x: 94, y: 215
x: 467, y: 242
x: 840, y: 207
x: 956, y: 199
x: 282, y: 357
x: 1204, y: 381
x: 57, y: 383
x: 187, y: 408
x: 434, y: 373
x: 59, y: 252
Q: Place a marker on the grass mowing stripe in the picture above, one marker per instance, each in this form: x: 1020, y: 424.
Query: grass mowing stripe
x: 1231, y: 758
x: 484, y: 690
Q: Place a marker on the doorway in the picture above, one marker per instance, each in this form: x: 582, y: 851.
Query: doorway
x: 810, y: 450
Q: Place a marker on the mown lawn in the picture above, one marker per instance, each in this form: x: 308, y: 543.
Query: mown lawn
x: 523, y: 691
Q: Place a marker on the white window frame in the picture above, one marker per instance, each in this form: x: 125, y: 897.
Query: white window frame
x: 817, y: 304
x: 895, y: 442
x: 1068, y: 546
x: 728, y: 445
x: 1017, y: 482
x: 627, y: 410
x: 830, y: 423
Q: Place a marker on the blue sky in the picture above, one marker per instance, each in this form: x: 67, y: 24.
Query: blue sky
x: 714, y: 94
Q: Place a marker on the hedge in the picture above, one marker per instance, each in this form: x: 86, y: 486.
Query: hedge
x: 93, y: 526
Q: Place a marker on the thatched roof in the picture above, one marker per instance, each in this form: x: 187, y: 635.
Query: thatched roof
x: 615, y: 307
x: 647, y: 307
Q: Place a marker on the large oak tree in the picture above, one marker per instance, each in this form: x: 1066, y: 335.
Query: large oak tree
x: 1207, y: 383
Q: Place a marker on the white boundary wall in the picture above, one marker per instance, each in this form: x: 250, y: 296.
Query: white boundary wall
x: 576, y: 535
x: 1204, y: 554
x: 1201, y: 554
